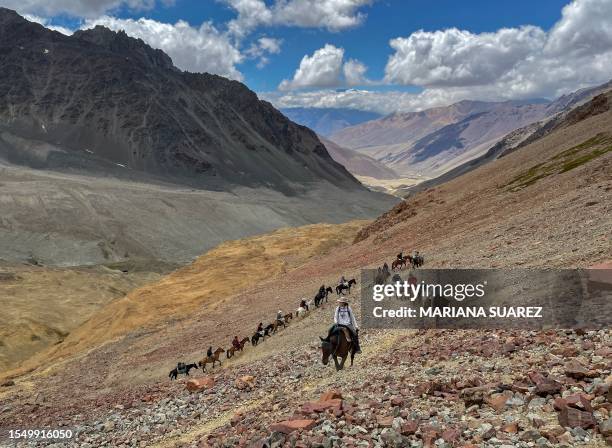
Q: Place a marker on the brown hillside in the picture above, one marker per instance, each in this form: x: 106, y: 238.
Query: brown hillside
x: 547, y: 204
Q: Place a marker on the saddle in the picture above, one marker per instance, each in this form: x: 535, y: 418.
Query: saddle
x: 346, y: 332
x: 181, y: 367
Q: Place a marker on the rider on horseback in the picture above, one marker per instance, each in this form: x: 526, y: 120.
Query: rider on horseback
x: 236, y: 343
x: 303, y: 304
x: 209, y: 352
x: 344, y: 317
x: 260, y: 329
x: 279, y: 317
x: 341, y: 282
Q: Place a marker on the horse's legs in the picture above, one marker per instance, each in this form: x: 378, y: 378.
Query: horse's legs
x: 338, y: 367
x: 343, y: 361
x: 352, y: 357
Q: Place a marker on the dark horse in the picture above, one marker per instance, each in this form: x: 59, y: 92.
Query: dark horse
x: 322, y: 295
x: 181, y: 368
x: 340, y: 288
x: 337, y: 346
x: 257, y: 336
x: 417, y: 261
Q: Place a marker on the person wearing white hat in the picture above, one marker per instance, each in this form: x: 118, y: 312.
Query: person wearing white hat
x: 344, y: 317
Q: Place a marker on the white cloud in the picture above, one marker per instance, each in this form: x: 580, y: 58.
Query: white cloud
x: 47, y: 23
x: 326, y: 68
x: 511, y: 63
x: 384, y: 102
x: 333, y: 15
x: 322, y: 69
x: 78, y: 8
x: 354, y: 73
x: 203, y: 49
x: 455, y: 57
x: 261, y: 48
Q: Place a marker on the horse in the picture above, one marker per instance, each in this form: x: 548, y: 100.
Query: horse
x: 337, y: 346
x: 397, y: 263
x: 255, y: 339
x: 277, y: 323
x: 181, y: 368
x: 340, y: 288
x: 288, y: 317
x: 211, y: 359
x: 417, y: 261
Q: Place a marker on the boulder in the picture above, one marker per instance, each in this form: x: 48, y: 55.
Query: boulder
x: 547, y: 386
x: 575, y: 370
x: 409, y: 427
x: 289, y: 426
x: 570, y: 417
x: 198, y: 384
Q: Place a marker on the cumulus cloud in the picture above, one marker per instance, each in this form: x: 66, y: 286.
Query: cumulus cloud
x: 455, y: 57
x: 196, y: 49
x: 261, y: 48
x: 512, y: 63
x: 326, y: 68
x: 79, y: 8
x: 333, y: 15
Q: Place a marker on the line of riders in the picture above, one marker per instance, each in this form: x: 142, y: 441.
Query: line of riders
x: 342, y: 338
x: 213, y: 357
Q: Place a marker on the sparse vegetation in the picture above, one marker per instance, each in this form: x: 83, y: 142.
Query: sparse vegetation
x: 564, y: 161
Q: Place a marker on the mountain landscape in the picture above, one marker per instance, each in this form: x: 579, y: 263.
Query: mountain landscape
x: 546, y: 204
x: 155, y: 213
x: 100, y: 133
x: 435, y: 141
x: 326, y: 121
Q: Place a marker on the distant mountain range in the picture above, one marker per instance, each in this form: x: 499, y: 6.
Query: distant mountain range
x: 435, y: 141
x: 327, y: 121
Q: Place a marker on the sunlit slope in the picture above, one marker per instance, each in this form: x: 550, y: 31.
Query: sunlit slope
x: 219, y: 273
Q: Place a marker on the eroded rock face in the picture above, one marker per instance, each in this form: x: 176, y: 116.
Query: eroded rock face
x: 101, y: 97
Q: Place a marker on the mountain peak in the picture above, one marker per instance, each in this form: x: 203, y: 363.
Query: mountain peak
x: 119, y: 42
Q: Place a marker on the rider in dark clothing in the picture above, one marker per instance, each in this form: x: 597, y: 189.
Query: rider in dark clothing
x: 209, y: 352
x: 400, y: 256
x: 236, y: 342
x: 304, y: 305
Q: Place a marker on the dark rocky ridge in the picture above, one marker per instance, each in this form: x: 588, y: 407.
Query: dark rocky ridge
x: 100, y: 98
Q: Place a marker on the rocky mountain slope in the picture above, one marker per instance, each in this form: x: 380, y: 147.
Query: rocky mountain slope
x: 326, y: 121
x: 434, y: 141
x: 544, y: 205
x: 109, y: 153
x: 100, y: 97
x: 566, y: 116
x: 357, y: 163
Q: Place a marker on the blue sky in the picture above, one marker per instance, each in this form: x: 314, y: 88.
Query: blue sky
x: 382, y: 55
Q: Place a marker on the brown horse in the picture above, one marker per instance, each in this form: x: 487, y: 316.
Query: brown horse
x: 211, y: 359
x: 288, y: 317
x: 397, y: 263
x: 337, y: 346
